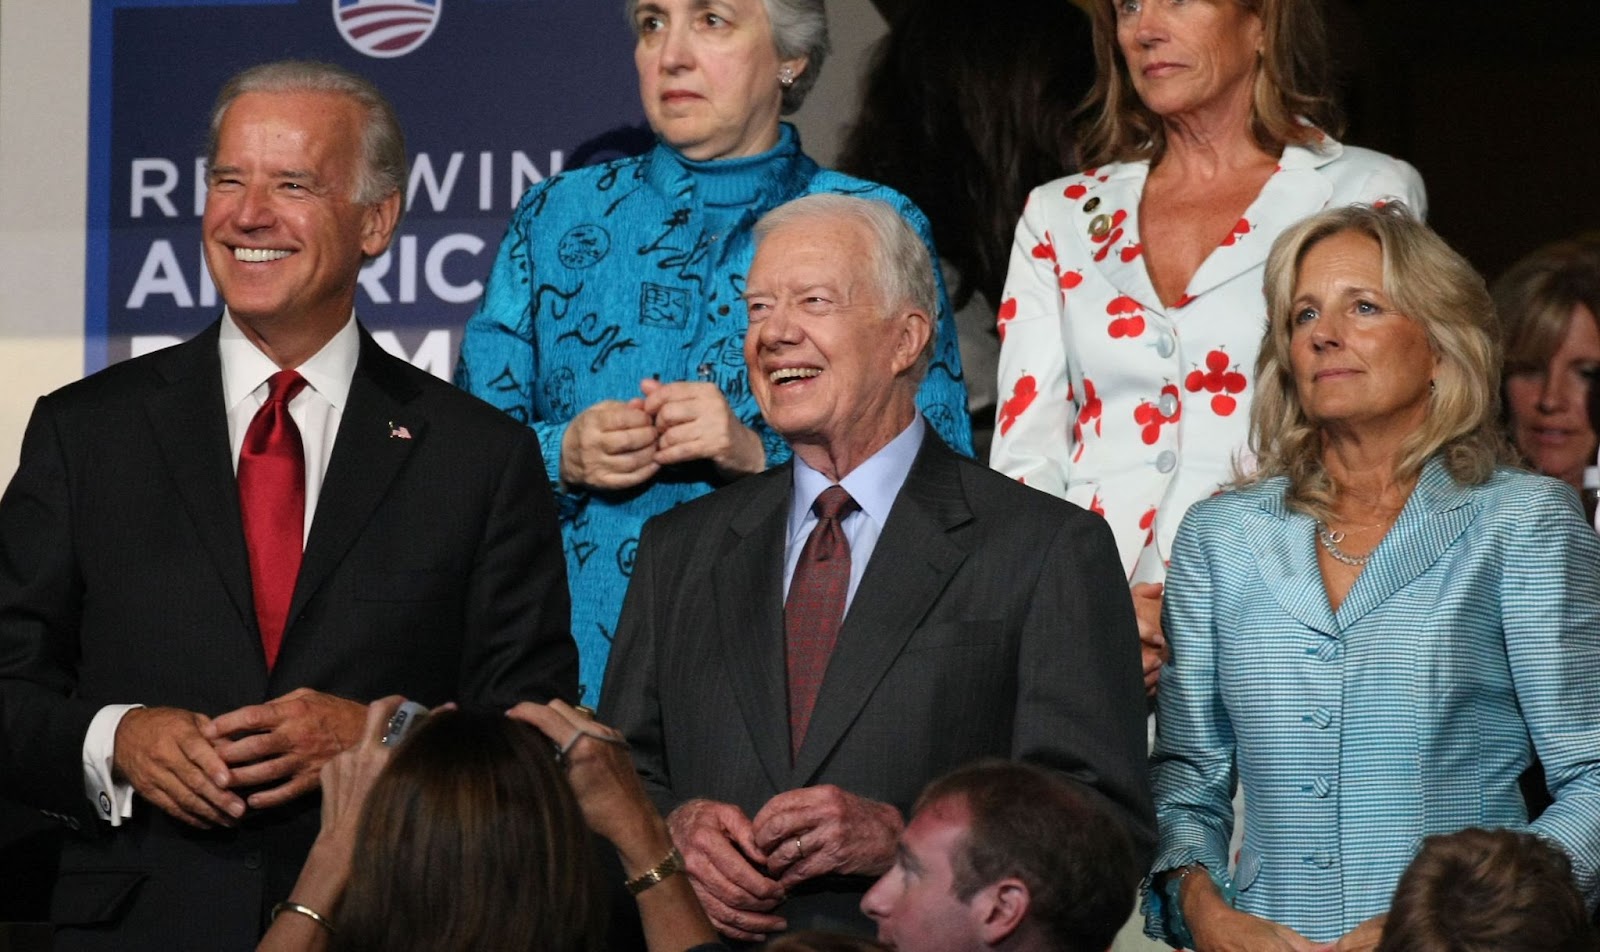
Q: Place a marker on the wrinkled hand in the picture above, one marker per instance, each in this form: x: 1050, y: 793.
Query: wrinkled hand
x: 694, y: 421
x: 815, y: 831
x: 347, y: 778
x: 720, y: 856
x: 1218, y: 927
x: 346, y: 781
x: 166, y: 755
x: 599, y: 769
x: 285, y: 742
x: 611, y: 445
x: 1152, y: 640
x: 1364, y: 937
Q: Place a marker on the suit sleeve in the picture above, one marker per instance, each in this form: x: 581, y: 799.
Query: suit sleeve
x: 630, y: 701
x: 1550, y: 610
x: 1192, y: 768
x: 518, y: 642
x: 42, y: 727
x: 499, y: 351
x: 1033, y: 439
x: 1396, y: 180
x: 1080, y: 694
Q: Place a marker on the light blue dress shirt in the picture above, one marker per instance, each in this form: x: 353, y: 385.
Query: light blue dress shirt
x: 873, y: 485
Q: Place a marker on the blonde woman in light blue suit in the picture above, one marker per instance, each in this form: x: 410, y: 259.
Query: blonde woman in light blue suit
x: 1379, y: 629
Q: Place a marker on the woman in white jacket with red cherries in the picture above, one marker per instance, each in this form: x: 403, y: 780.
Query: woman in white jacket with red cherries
x: 1133, y: 307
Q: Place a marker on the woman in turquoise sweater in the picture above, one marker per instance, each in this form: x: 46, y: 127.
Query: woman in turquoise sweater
x: 612, y: 322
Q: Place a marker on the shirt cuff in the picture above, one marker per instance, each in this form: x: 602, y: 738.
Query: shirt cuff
x: 113, y: 802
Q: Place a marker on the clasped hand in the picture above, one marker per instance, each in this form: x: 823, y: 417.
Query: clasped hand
x: 192, y: 766
x: 742, y: 867
x: 615, y: 444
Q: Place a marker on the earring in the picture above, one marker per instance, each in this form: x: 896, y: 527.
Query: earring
x: 786, y: 77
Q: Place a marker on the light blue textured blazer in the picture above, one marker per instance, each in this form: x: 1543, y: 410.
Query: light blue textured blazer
x: 1470, y: 643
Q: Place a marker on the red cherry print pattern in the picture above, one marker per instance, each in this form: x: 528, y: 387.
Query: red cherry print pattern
x: 1070, y: 280
x: 1008, y: 310
x: 1130, y: 252
x: 1147, y: 522
x: 1240, y: 229
x: 1127, y: 317
x: 1219, y: 380
x: 1096, y: 507
x: 1046, y: 249
x: 1075, y: 191
x: 1109, y: 239
x: 1183, y: 301
x: 1021, y: 396
x: 1088, y: 413
x: 1149, y: 416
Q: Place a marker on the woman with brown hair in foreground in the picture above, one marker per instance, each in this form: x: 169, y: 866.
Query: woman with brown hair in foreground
x: 469, y: 837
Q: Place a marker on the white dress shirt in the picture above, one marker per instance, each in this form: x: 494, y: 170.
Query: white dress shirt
x: 873, y: 485
x: 316, y: 411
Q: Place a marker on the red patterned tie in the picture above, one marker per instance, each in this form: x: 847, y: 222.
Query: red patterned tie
x: 815, y: 607
x: 272, y: 499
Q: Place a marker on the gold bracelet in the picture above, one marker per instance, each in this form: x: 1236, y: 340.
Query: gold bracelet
x: 671, y: 863
x: 307, y: 911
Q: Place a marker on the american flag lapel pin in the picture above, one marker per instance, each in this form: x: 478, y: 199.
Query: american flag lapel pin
x: 398, y: 432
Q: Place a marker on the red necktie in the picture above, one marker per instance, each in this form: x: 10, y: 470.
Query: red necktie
x: 272, y: 499
x: 815, y: 607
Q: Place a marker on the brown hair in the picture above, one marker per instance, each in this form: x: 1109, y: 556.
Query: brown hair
x: 1536, y: 299
x: 1488, y: 891
x: 1291, y: 87
x: 471, y: 839
x: 1076, y: 859
x: 1431, y: 284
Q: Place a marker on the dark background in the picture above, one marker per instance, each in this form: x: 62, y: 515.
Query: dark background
x: 1496, y: 102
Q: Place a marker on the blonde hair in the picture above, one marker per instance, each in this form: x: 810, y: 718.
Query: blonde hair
x: 1432, y: 285
x: 1290, y: 102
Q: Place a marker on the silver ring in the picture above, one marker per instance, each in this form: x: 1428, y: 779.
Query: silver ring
x: 564, y: 749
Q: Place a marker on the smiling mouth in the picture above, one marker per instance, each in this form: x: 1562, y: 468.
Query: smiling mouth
x: 260, y: 254
x: 791, y: 374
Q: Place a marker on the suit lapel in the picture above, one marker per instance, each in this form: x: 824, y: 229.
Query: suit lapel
x: 1433, y: 518
x: 1296, y: 190
x: 911, y: 566
x: 747, y: 586
x: 1118, y: 204
x: 366, y: 458
x: 191, y: 429
x: 1284, y: 546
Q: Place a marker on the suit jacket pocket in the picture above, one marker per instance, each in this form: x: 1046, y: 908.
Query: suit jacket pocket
x: 94, y: 897
x: 404, y: 586
x: 956, y: 634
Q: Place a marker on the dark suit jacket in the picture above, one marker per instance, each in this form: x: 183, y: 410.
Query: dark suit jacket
x: 433, y: 570
x: 992, y: 620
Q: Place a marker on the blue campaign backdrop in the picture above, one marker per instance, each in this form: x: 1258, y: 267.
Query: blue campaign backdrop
x: 494, y: 95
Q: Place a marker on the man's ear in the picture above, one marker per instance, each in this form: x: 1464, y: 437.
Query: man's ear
x: 916, y: 328
x: 378, y: 224
x: 1000, y: 908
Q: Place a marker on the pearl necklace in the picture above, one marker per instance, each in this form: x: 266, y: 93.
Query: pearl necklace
x: 1330, y: 541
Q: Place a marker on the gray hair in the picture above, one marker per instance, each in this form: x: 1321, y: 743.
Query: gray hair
x: 902, y: 268
x: 383, y: 143
x: 799, y: 28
